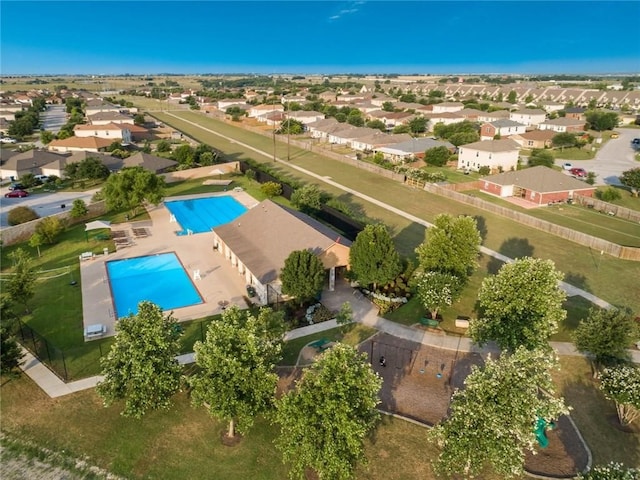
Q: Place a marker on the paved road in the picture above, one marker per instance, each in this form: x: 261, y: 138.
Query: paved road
x: 612, y: 159
x: 44, y: 204
x: 54, y: 118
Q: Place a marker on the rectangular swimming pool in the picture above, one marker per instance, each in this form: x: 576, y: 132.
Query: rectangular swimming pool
x: 157, y: 278
x: 200, y: 215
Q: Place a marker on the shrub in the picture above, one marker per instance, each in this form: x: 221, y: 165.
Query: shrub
x: 608, y: 195
x: 484, y: 170
x: 163, y: 146
x: 20, y: 215
x: 271, y: 189
x: 79, y: 208
x: 50, y: 228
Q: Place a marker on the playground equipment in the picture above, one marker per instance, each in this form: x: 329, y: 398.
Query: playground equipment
x: 540, y: 429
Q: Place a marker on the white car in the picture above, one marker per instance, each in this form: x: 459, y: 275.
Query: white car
x: 7, y: 140
x: 567, y: 166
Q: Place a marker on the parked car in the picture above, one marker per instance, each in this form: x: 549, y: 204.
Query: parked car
x: 578, y: 172
x: 7, y: 140
x: 635, y: 141
x: 615, y: 135
x: 16, y: 186
x: 567, y: 166
x: 16, y: 194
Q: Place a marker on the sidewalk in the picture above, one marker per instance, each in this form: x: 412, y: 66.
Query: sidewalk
x: 364, y: 312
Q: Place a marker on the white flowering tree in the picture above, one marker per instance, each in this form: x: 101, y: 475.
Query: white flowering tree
x: 491, y: 424
x: 520, y: 305
x: 611, y: 471
x: 437, y: 290
x: 622, y: 385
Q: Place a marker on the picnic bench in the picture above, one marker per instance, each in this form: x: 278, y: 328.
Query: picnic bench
x: 321, y: 344
x: 429, y: 322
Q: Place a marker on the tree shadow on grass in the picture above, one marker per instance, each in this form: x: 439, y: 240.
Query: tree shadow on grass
x: 481, y: 225
x: 409, y: 238
x: 513, y: 248
x: 577, y: 280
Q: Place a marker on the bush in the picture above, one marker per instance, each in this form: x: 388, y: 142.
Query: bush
x: 20, y: 215
x: 163, y: 146
x: 271, y: 189
x: 484, y: 170
x: 437, y: 156
x: 50, y: 228
x: 79, y: 208
x: 608, y: 195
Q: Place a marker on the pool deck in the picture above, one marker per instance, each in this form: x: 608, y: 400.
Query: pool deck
x: 219, y: 281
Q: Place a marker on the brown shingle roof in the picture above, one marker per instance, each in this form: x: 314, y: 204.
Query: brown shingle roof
x: 82, y: 142
x: 264, y: 237
x: 493, y: 146
x: 539, y: 179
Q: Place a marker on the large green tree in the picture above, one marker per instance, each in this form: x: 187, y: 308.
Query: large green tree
x: 50, y: 228
x: 491, y: 420
x: 599, y: 120
x: 451, y: 245
x: 622, y: 385
x: 631, y: 178
x: 606, y: 334
x: 21, y: 286
x: 437, y: 156
x: 437, y: 290
x: 307, y: 198
x: 373, y: 257
x: 131, y: 187
x: 563, y: 140
x: 302, y: 276
x: 10, y: 352
x: 90, y: 168
x: 141, y: 366
x: 520, y: 306
x: 541, y: 157
x: 324, y: 421
x: 237, y: 379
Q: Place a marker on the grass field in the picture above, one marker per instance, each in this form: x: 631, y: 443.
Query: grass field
x: 610, y: 278
x: 627, y: 200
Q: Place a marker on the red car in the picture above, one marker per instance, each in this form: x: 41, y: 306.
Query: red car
x: 16, y: 194
x: 578, y: 172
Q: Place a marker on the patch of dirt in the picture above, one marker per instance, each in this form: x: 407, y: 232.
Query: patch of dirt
x: 614, y: 421
x: 228, y: 441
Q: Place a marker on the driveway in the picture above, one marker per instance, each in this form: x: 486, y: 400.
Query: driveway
x: 612, y: 159
x: 44, y: 204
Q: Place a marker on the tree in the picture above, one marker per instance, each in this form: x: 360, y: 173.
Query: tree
x: 591, y: 178
x: 50, y: 229
x: 271, y: 189
x: 302, y: 276
x: 237, y: 360
x: 138, y: 119
x: 46, y: 137
x: 606, y: 334
x: 564, y: 139
x: 387, y: 107
x: 307, y: 198
x: 10, y: 352
x: 491, y: 423
x: 611, y: 471
x: 324, y: 421
x: 631, y: 178
x: 184, y: 155
x: 291, y: 126
x: 131, y: 187
x: 90, y: 168
x: 437, y: 156
x: 600, y: 121
x: 373, y: 257
x: 79, y: 208
x: 355, y: 118
x: 141, y: 366
x: 437, y: 290
x: 344, y: 316
x: 512, y: 97
x: 378, y: 124
x: 398, y: 129
x: 451, y: 246
x: 520, y: 306
x: 609, y: 194
x: 418, y: 125
x: 541, y: 157
x: 19, y: 215
x: 21, y: 286
x: 36, y: 241
x: 622, y: 385
x: 163, y: 146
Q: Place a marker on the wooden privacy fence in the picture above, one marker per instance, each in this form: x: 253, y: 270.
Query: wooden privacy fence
x: 601, y: 206
x: 610, y: 248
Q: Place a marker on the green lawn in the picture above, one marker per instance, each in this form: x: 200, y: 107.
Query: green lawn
x: 611, y: 279
x: 627, y: 200
x: 574, y: 153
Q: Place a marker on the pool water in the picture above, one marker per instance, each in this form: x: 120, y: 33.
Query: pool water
x: 200, y: 215
x: 157, y: 278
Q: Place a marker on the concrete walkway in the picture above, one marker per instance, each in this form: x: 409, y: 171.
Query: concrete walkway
x: 364, y: 312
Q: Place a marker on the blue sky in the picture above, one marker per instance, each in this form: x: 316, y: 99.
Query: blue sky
x: 114, y: 37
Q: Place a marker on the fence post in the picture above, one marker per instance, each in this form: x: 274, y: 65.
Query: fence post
x: 64, y: 366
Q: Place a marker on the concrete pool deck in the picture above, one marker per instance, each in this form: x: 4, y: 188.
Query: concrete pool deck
x: 219, y: 280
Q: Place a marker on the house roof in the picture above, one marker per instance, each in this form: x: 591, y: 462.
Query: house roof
x: 265, y: 236
x: 107, y: 126
x: 575, y: 110
x: 496, y: 114
x: 529, y: 111
x: 417, y: 145
x: 101, y: 116
x: 539, y: 179
x: 505, y: 122
x: 148, y: 162
x: 493, y: 146
x: 29, y: 159
x: 82, y: 142
x: 542, y: 135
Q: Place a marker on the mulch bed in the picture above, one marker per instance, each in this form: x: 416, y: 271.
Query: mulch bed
x: 418, y: 381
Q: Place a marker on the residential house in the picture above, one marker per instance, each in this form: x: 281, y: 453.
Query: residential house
x: 113, y: 131
x: 321, y: 128
x: 550, y: 106
x: 413, y: 148
x: 577, y: 113
x: 16, y: 164
x: 377, y: 140
x: 72, y: 144
x: 271, y: 118
x: 534, y: 139
x: 98, y: 105
x: 231, y: 102
x: 258, y: 242
x: 346, y: 136
x: 148, y: 162
x: 103, y: 118
x: 470, y: 114
x: 562, y: 125
x: 495, y: 154
x: 258, y: 110
x: 4, y: 125
x: 382, y: 98
x: 503, y: 128
x: 446, y: 118
x: 449, y: 107
x: 8, y: 115
x: 540, y: 185
x: 305, y: 117
x: 531, y: 117
x: 391, y: 119
x: 493, y: 116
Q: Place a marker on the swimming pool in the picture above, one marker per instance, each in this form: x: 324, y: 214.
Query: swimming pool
x: 200, y: 215
x: 157, y: 278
